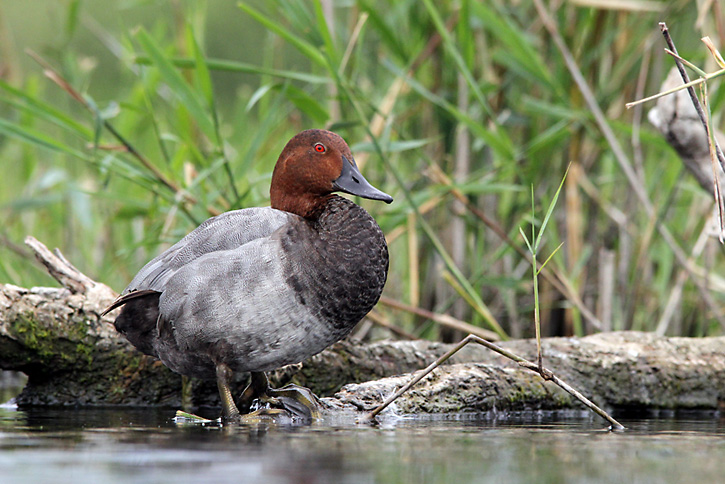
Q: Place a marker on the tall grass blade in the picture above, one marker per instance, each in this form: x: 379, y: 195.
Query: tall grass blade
x: 550, y: 210
x: 38, y: 139
x: 310, y: 51
x: 192, y: 101
x: 36, y: 107
x: 223, y: 65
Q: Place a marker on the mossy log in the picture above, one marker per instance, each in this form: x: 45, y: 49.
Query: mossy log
x: 72, y: 356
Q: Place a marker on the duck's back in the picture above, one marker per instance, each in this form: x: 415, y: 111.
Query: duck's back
x: 229, y: 230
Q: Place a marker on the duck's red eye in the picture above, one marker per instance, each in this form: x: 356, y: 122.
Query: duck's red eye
x: 320, y: 148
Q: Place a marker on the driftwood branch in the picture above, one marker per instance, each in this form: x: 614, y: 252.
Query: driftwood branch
x: 545, y: 373
x: 63, y: 271
x: 622, y: 370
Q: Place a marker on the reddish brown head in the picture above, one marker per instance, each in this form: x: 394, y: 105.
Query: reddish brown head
x: 314, y: 164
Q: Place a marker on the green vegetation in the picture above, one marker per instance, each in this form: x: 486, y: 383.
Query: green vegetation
x: 456, y: 108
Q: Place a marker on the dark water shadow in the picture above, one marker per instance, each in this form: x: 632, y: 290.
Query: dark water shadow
x: 146, y: 445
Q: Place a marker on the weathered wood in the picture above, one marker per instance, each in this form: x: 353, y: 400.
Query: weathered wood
x: 72, y: 356
x: 630, y: 370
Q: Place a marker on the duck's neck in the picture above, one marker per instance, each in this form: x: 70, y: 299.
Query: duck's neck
x: 306, y: 205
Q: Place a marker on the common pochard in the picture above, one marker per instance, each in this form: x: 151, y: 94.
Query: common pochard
x: 256, y: 289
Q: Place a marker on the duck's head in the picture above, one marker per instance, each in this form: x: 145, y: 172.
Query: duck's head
x: 313, y: 165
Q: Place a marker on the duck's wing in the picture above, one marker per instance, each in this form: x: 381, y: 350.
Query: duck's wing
x: 230, y: 230
x: 223, y: 232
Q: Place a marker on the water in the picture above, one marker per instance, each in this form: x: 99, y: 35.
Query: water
x: 146, y: 446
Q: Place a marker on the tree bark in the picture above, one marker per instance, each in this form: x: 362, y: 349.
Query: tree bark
x: 72, y: 356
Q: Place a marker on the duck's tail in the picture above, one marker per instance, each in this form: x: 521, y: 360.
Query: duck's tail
x: 137, y: 321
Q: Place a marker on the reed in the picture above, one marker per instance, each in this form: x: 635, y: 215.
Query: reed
x: 132, y: 132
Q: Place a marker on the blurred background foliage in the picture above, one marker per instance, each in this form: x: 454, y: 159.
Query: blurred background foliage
x: 457, y: 108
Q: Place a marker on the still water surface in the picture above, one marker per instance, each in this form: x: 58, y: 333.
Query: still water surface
x: 146, y: 446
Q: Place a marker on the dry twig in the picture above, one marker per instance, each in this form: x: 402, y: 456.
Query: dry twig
x: 442, y: 319
x: 545, y: 373
x: 712, y: 140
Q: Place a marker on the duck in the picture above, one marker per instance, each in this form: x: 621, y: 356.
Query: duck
x: 256, y: 289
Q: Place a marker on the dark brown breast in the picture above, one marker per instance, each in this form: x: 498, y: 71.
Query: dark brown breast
x: 347, y: 257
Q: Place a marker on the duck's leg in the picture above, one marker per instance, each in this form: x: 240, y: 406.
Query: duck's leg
x: 223, y: 378
x: 296, y: 400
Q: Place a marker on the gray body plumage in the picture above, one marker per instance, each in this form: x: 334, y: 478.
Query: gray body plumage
x: 229, y: 230
x: 257, y: 289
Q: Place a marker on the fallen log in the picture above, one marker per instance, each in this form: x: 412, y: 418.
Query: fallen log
x: 73, y: 356
x: 620, y: 370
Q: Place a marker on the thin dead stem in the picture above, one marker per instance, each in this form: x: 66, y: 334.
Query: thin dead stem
x: 545, y: 373
x: 383, y: 322
x: 442, y: 319
x: 712, y: 140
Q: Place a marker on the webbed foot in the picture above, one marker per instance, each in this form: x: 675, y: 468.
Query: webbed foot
x: 259, y: 400
x: 293, y: 400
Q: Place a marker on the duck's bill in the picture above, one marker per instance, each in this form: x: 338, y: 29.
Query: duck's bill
x: 351, y: 181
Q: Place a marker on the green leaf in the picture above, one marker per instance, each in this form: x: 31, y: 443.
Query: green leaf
x: 31, y: 105
x: 241, y: 67
x: 38, y: 139
x: 190, y: 99
x: 386, y: 32
x: 549, y: 258
x: 393, y: 146
x: 551, y: 209
x: 203, y: 80
x: 259, y: 94
x: 307, y: 104
x: 71, y: 22
x: 97, y: 120
x: 517, y: 51
x: 502, y: 145
x: 526, y: 239
x: 323, y: 29
x: 310, y: 51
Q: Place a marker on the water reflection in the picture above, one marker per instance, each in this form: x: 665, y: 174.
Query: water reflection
x: 71, y: 445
